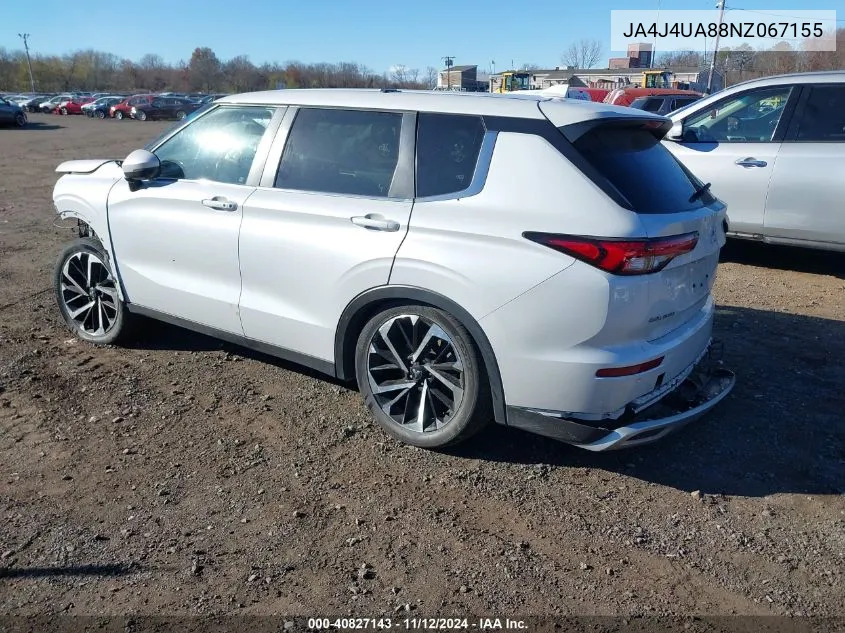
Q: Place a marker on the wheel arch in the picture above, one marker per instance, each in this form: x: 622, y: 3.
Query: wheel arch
x: 366, y: 304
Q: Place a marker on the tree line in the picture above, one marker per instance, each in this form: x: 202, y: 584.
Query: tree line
x: 98, y: 71
x: 205, y: 72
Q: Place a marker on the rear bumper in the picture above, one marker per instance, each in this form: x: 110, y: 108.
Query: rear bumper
x: 705, y: 386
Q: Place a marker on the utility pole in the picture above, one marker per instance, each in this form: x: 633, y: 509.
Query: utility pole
x: 654, y: 46
x: 721, y: 5
x: 25, y: 37
x: 450, y: 61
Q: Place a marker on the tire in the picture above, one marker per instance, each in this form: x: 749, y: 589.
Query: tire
x: 64, y: 111
x: 20, y: 120
x: 452, y: 414
x: 141, y: 115
x: 101, y: 114
x: 118, y: 115
x: 181, y: 115
x: 83, y: 278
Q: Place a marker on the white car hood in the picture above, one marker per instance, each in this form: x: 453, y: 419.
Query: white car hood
x: 85, y: 166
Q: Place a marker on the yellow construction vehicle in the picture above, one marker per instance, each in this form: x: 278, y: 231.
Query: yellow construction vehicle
x: 656, y: 79
x: 511, y: 81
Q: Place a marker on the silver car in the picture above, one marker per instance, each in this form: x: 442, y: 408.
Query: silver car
x: 774, y: 151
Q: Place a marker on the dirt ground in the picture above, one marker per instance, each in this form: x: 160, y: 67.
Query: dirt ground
x: 185, y: 476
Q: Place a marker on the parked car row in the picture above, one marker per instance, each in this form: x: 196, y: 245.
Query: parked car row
x: 165, y: 105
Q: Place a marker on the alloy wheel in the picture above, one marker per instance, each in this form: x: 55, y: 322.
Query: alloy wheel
x: 415, y: 372
x: 89, y: 293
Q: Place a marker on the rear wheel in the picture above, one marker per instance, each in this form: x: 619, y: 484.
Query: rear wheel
x: 101, y: 114
x: 421, y: 377
x: 181, y: 115
x: 20, y: 119
x: 86, y: 291
x: 141, y: 115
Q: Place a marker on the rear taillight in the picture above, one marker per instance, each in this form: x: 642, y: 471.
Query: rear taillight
x: 620, y: 256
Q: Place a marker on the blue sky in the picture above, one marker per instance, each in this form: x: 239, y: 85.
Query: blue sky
x: 377, y: 33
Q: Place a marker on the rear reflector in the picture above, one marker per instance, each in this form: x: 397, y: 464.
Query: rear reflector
x: 620, y: 256
x: 630, y: 370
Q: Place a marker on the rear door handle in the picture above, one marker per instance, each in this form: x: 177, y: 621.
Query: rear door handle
x: 377, y: 222
x: 750, y: 162
x: 220, y: 204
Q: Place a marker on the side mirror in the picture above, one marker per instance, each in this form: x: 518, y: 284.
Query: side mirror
x: 141, y: 165
x: 676, y: 133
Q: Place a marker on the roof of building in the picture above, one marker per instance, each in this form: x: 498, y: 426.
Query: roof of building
x: 459, y: 69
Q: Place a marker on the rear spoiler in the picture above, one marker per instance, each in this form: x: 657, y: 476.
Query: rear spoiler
x: 85, y: 166
x: 658, y: 126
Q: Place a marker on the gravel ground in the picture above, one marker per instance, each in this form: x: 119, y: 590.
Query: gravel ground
x: 185, y: 476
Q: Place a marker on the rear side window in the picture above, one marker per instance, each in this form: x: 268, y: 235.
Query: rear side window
x: 634, y: 161
x: 448, y: 146
x: 652, y: 105
x: 824, y: 115
x: 352, y: 152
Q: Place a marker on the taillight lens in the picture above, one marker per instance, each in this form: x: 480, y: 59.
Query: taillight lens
x: 630, y: 370
x: 620, y: 257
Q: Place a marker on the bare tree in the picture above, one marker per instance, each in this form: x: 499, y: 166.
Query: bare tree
x: 582, y: 54
x: 399, y: 74
x: 430, y: 77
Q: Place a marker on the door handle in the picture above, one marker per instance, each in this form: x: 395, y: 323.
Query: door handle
x: 373, y: 221
x: 220, y: 204
x: 750, y: 162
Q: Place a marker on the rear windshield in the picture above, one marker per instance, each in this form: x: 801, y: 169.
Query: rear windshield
x: 634, y: 161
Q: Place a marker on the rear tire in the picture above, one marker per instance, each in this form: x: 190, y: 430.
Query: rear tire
x: 141, y: 115
x: 87, y: 294
x: 20, y: 120
x: 421, y: 376
x: 101, y: 114
x: 180, y: 115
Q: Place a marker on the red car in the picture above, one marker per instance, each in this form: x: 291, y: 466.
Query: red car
x: 74, y: 106
x: 123, y: 109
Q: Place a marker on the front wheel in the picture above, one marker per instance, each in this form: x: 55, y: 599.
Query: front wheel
x: 86, y: 291
x: 180, y: 115
x: 20, y: 120
x: 419, y: 372
x: 64, y: 111
x: 101, y: 114
x: 118, y: 115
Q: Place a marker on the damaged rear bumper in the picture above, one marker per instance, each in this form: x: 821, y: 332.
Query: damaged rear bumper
x: 704, y: 385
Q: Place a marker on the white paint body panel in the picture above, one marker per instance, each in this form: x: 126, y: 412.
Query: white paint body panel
x: 176, y: 255
x: 303, y: 261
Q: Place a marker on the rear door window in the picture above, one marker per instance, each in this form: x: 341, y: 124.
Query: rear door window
x: 823, y: 118
x: 448, y: 146
x: 644, y: 172
x: 351, y: 152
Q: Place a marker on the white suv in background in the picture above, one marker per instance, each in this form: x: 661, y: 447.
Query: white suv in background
x: 546, y: 264
x: 774, y: 151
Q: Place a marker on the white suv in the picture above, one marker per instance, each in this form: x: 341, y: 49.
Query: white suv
x: 543, y: 263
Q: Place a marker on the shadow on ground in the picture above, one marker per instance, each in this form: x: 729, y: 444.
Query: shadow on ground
x: 71, y: 570
x: 154, y: 335
x: 37, y: 125
x: 782, y: 429
x: 803, y: 260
